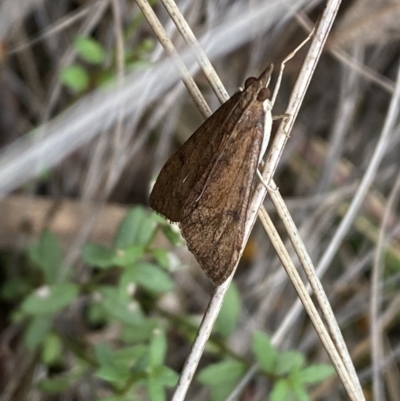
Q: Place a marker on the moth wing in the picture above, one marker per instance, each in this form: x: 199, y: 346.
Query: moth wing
x: 185, y: 167
x: 214, y: 214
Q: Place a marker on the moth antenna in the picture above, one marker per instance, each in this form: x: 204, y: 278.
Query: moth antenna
x: 286, y: 59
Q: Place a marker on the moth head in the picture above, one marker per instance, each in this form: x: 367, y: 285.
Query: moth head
x: 265, y: 76
x: 260, y: 85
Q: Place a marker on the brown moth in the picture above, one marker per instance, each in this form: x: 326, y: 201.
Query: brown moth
x: 206, y: 184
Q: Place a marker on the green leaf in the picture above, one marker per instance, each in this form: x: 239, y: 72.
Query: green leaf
x: 155, y: 389
x: 146, y: 45
x: 113, y: 373
x: 119, y: 309
x: 47, y: 256
x: 49, y: 299
x: 222, y: 372
x: 230, y: 312
x: 139, y: 333
x: 109, y: 370
x: 89, y: 49
x: 54, y: 386
x: 103, y: 353
x: 280, y: 391
x: 75, y: 78
x: 96, y: 314
x: 222, y: 378
x: 14, y: 288
x: 162, y: 257
x: 128, y: 256
x: 98, y: 255
x: 51, y: 350
x: 36, y: 331
x: 160, y: 377
x: 165, y: 376
x: 138, y: 65
x: 158, y: 348
x: 300, y: 393
x: 288, y: 361
x: 130, y: 356
x: 264, y: 351
x: 137, y: 228
x: 172, y: 233
x: 315, y: 373
x: 148, y: 276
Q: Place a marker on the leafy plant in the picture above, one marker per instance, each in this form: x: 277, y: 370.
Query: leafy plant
x: 286, y: 371
x: 88, y: 70
x: 139, y: 363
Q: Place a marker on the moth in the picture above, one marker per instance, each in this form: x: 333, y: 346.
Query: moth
x: 205, y: 186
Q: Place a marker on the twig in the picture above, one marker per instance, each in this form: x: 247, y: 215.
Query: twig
x: 170, y: 49
x: 376, y: 298
x: 207, y: 322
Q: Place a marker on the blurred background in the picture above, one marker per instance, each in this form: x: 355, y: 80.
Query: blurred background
x: 99, y: 297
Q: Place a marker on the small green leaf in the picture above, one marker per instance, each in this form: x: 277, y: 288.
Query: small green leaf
x: 90, y: 50
x: 47, y: 255
x: 315, y: 373
x: 146, y: 45
x: 128, y: 256
x: 113, y: 373
x: 104, y: 354
x: 51, y: 350
x: 14, y: 288
x: 96, y: 314
x: 162, y: 257
x: 75, y: 78
x: 165, y: 376
x: 300, y: 393
x: 120, y: 309
x: 109, y: 370
x: 130, y: 356
x: 222, y: 378
x: 148, y: 276
x: 155, y: 389
x: 54, y: 386
x: 36, y: 331
x: 264, y: 351
x: 137, y: 228
x: 140, y: 332
x: 222, y: 372
x: 49, y: 299
x: 280, y: 391
x: 158, y: 348
x: 172, y: 233
x: 138, y: 65
x: 116, y: 398
x: 287, y: 361
x: 98, y: 255
x: 230, y: 312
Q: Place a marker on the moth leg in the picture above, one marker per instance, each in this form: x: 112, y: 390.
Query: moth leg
x: 284, y: 116
x: 285, y: 60
x: 266, y: 185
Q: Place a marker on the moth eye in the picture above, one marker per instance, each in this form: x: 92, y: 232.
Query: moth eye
x: 263, y: 94
x: 249, y: 81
